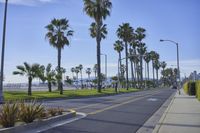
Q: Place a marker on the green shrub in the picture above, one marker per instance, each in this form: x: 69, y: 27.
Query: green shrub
x: 191, y: 88
x: 185, y: 87
x: 8, y: 114
x: 197, y: 86
x: 30, y: 111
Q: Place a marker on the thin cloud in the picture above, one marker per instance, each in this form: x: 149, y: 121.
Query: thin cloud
x: 28, y: 2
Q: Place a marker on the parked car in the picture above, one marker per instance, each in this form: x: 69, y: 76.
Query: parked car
x: 174, y: 87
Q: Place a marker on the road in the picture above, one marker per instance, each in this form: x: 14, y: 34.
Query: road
x: 124, y: 113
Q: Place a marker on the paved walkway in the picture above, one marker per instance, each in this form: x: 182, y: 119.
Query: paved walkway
x: 182, y: 116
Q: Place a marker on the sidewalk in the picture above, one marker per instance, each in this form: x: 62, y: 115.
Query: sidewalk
x: 181, y: 116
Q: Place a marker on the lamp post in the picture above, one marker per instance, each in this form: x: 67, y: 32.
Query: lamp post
x: 2, y: 52
x: 178, y: 68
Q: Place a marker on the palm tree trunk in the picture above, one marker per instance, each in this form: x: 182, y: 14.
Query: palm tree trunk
x: 59, y: 72
x: 132, y: 74
x: 126, y: 50
x: 81, y: 80
x: 49, y: 86
x: 29, y: 86
x: 120, y: 62
x: 98, y: 40
x: 141, y: 69
x: 157, y: 76
x: 148, y: 70
x: 153, y: 71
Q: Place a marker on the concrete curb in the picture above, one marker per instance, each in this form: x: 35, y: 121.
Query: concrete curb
x: 38, y: 124
x: 151, y: 123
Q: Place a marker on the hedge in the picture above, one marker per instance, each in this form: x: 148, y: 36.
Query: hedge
x: 197, y: 86
x: 189, y: 88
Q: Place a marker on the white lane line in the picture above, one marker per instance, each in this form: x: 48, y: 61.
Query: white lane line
x: 81, y: 116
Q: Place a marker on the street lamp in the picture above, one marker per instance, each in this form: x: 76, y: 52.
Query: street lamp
x: 178, y: 68
x: 105, y: 64
x: 2, y: 52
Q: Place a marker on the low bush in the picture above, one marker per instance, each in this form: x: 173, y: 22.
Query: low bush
x: 185, y: 87
x: 52, y: 111
x: 8, y: 114
x: 197, y: 86
x: 191, y: 88
x: 30, y: 111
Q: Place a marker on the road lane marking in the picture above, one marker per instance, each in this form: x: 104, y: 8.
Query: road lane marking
x: 121, y: 99
x: 120, y: 104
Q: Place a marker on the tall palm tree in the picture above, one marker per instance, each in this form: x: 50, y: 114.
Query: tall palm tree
x: 58, y: 35
x: 50, y: 76
x: 140, y: 35
x: 141, y: 51
x: 95, y: 70
x: 125, y: 32
x: 98, y: 10
x: 31, y: 71
x: 147, y: 59
x: 118, y: 46
x: 80, y: 69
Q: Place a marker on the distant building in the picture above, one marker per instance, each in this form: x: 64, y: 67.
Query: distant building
x: 194, y: 76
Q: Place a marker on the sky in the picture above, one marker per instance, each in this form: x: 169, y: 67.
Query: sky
x: 177, y: 20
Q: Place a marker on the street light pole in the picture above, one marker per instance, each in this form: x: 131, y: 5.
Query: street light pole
x: 2, y: 52
x: 178, y: 68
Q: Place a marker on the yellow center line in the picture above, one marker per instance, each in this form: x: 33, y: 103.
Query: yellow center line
x: 122, y: 99
x: 117, y: 105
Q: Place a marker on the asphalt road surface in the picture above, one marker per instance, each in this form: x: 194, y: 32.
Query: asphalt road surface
x: 124, y: 113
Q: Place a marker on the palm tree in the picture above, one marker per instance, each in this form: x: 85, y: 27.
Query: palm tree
x: 140, y: 35
x: 58, y: 35
x: 77, y: 70
x: 98, y: 10
x: 72, y: 70
x: 118, y: 46
x: 153, y: 54
x: 125, y: 32
x: 50, y: 76
x: 147, y: 59
x: 42, y: 73
x: 131, y: 52
x: 95, y: 70
x: 157, y: 67
x: 31, y: 71
x: 88, y: 72
x: 163, y: 65
x: 141, y: 50
x: 80, y: 69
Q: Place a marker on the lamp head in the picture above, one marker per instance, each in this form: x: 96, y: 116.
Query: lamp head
x: 161, y: 40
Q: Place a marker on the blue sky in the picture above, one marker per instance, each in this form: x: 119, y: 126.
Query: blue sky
x: 177, y: 20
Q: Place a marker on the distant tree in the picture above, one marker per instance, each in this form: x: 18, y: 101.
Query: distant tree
x: 31, y: 71
x: 80, y: 69
x: 50, y: 76
x: 95, y: 70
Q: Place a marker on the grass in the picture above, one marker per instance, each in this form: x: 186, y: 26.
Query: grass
x: 19, y: 95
